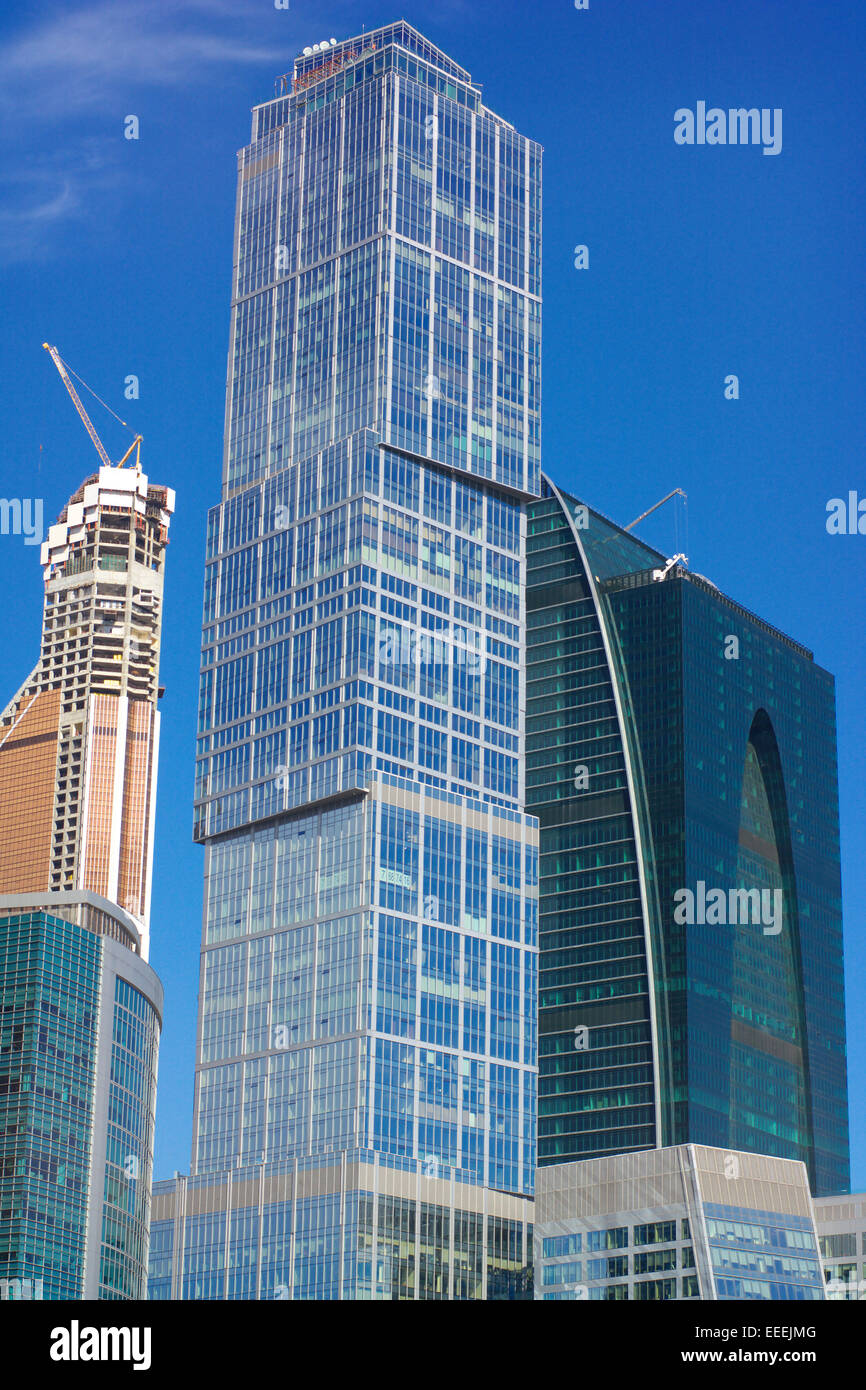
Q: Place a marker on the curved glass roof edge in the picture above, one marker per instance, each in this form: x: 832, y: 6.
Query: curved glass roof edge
x: 618, y: 553
x: 605, y: 566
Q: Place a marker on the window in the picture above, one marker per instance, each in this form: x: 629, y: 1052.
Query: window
x: 652, y: 1290
x: 560, y: 1245
x: 655, y: 1233
x: 651, y: 1261
x: 613, y: 1267
x: 615, y: 1238
x: 836, y: 1247
x: 562, y: 1274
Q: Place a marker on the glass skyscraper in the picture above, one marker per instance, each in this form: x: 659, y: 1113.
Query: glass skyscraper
x: 681, y: 758
x: 364, y: 1119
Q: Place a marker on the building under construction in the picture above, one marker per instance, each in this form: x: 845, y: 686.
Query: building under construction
x: 78, y: 742
x: 81, y: 1007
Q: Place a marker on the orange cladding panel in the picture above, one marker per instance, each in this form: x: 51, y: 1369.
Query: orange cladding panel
x: 28, y: 763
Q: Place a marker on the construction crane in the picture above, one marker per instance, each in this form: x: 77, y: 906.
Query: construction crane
x: 662, y: 574
x: 677, y: 492
x: 675, y: 559
x: 88, y: 424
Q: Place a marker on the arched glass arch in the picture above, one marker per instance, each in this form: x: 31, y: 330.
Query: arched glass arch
x: 768, y: 1056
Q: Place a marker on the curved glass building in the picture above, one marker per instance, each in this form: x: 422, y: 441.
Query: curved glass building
x: 681, y: 758
x: 82, y: 1013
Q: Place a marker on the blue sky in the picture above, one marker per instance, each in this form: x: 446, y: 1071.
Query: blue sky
x: 704, y: 261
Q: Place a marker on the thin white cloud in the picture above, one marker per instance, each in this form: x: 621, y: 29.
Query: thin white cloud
x: 77, y: 60
x: 59, y: 205
x: 35, y: 212
x: 61, y: 184
x: 74, y: 64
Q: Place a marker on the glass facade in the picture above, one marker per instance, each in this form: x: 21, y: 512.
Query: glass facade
x: 841, y: 1223
x: 681, y: 758
x: 78, y: 1054
x: 370, y: 935
x: 763, y: 1254
x: 51, y: 975
x: 129, y: 1148
x: 673, y: 1224
x: 368, y: 1226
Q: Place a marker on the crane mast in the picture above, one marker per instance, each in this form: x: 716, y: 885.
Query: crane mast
x: 677, y: 492
x: 86, y: 420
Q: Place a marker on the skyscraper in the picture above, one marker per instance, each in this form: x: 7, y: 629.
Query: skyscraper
x: 681, y: 758
x: 82, y: 1008
x: 365, y: 1082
